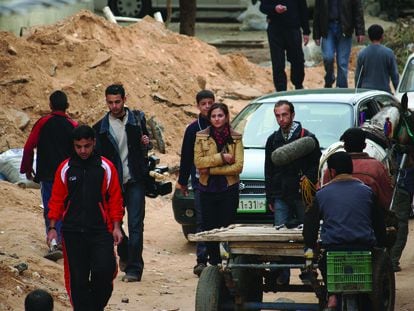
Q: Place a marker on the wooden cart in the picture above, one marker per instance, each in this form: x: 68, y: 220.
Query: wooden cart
x: 252, y: 258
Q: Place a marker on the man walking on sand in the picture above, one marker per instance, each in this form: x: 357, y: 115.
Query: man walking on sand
x: 122, y: 137
x: 376, y: 64
x: 52, y: 137
x: 334, y: 22
x: 87, y: 197
x: 285, y: 20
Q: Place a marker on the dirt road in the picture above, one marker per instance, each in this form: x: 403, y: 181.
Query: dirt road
x: 168, y: 282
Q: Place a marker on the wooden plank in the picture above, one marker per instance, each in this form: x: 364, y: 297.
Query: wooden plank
x: 266, y: 248
x: 248, y: 233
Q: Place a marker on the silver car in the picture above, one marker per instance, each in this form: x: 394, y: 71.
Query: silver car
x: 325, y: 112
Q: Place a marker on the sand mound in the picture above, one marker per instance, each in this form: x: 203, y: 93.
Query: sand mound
x: 161, y: 70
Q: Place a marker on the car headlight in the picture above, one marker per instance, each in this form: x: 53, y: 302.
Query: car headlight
x: 189, y: 212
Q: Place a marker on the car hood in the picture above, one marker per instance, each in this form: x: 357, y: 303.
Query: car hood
x: 253, y: 167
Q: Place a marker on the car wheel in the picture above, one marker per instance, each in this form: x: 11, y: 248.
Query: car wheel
x: 188, y: 229
x: 212, y: 293
x: 131, y: 8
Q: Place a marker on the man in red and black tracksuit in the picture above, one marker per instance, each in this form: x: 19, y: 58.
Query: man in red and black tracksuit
x: 86, y: 196
x: 52, y: 137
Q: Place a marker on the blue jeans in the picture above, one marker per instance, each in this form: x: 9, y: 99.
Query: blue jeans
x: 135, y: 204
x: 337, y: 43
x: 46, y: 192
x: 286, y: 211
x: 202, y: 256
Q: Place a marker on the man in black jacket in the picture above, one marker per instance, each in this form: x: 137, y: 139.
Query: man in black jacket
x: 282, y: 182
x: 122, y: 137
x: 334, y: 21
x: 285, y: 20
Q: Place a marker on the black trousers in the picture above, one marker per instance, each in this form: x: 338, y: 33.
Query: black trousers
x: 218, y: 210
x: 286, y: 43
x: 90, y: 267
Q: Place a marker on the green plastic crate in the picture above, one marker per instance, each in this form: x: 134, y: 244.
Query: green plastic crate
x: 349, y: 272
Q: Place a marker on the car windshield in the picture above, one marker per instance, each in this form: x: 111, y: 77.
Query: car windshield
x: 326, y: 120
x: 407, y: 83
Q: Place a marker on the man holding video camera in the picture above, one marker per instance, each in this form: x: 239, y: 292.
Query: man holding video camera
x: 122, y: 137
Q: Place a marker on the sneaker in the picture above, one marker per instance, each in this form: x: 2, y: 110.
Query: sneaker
x: 308, y: 276
x: 130, y: 278
x: 54, y: 255
x: 281, y: 227
x: 198, y: 268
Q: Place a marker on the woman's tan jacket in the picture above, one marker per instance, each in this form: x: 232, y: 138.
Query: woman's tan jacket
x: 207, y: 156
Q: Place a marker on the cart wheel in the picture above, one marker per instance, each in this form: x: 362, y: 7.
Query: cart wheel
x: 248, y: 281
x: 383, y: 283
x: 211, y: 293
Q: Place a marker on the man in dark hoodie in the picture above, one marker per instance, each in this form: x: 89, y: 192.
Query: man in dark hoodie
x: 285, y: 19
x: 204, y: 99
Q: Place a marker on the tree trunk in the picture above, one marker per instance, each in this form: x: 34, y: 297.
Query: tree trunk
x: 187, y: 17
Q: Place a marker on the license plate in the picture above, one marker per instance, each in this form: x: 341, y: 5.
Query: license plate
x: 252, y: 205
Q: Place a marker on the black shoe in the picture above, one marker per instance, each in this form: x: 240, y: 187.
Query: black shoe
x: 54, y: 255
x: 198, y: 268
x: 282, y: 280
x: 122, y: 265
x: 131, y: 278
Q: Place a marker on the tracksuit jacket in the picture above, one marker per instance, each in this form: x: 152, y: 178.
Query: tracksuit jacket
x: 52, y: 136
x: 86, y: 195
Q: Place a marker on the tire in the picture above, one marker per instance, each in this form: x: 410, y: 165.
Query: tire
x: 131, y: 8
x: 187, y: 229
x: 249, y: 282
x: 211, y: 292
x: 383, y: 283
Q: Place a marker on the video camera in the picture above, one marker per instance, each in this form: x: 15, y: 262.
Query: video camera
x: 156, y: 184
